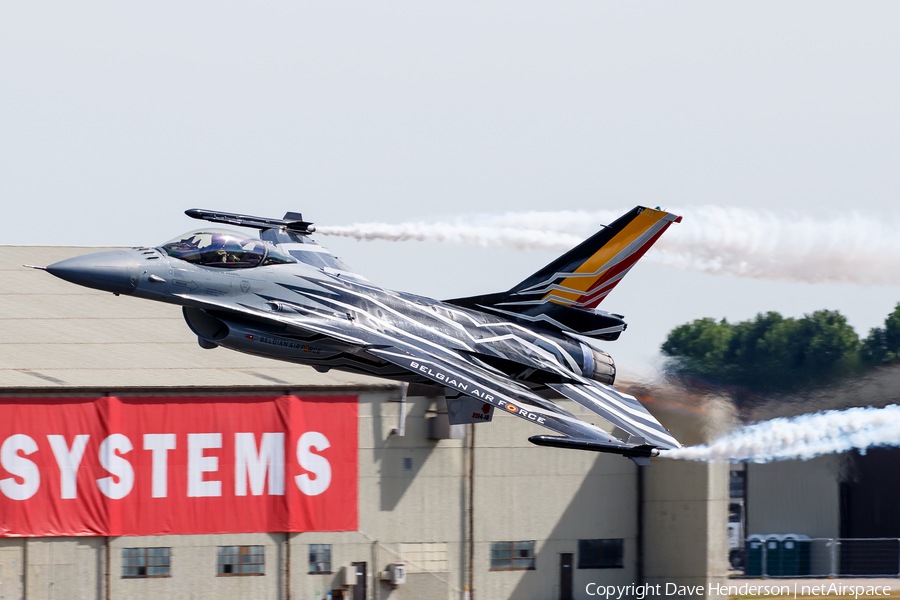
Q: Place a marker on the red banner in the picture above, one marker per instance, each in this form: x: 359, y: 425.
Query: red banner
x: 177, y: 465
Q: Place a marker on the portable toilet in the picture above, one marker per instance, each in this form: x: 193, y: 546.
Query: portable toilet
x: 795, y: 554
x: 773, y: 556
x: 754, y: 552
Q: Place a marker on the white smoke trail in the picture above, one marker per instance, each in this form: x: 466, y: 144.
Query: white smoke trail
x: 803, y: 437
x: 499, y: 236
x: 812, y: 248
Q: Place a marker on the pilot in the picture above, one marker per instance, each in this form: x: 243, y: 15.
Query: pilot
x: 224, y: 249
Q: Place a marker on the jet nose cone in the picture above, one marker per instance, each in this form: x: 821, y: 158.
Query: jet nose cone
x: 114, y: 271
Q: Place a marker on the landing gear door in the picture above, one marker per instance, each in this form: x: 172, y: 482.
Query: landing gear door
x: 464, y: 409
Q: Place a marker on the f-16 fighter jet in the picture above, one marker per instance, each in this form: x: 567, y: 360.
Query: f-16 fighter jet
x: 280, y: 295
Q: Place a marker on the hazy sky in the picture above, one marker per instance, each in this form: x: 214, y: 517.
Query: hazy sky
x: 116, y: 117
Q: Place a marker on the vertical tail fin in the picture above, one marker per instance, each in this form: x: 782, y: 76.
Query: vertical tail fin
x: 582, y: 277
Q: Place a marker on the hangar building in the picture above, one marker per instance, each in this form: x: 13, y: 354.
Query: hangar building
x: 845, y: 503
x: 437, y: 512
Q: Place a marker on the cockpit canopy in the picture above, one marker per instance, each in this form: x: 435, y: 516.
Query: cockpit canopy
x: 224, y: 249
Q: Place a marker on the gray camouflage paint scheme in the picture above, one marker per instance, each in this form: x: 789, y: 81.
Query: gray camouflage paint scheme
x: 317, y: 312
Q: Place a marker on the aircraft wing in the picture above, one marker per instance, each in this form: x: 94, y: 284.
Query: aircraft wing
x: 328, y: 325
x: 478, y: 380
x: 620, y: 409
x: 466, y: 376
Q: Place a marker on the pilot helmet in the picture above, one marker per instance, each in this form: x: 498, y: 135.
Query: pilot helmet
x: 218, y: 240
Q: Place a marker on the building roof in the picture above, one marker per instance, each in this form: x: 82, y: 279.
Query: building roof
x: 55, y: 335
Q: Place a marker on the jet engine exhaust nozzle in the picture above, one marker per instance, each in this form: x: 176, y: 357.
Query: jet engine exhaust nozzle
x: 598, y: 365
x: 113, y: 271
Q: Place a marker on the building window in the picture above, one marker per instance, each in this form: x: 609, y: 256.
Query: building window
x: 736, y: 484
x: 241, y: 560
x: 425, y: 557
x: 145, y: 562
x: 600, y: 554
x: 320, y: 558
x: 512, y: 556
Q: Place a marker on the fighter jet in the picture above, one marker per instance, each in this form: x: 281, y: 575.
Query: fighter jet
x: 281, y: 295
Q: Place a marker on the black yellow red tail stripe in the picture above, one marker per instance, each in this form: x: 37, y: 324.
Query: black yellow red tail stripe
x: 585, y: 275
x: 562, y: 294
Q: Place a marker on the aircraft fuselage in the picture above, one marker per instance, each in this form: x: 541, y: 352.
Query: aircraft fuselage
x: 303, y: 314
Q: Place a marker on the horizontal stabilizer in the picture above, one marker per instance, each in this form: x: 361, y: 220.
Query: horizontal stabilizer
x: 621, y: 409
x: 594, y: 323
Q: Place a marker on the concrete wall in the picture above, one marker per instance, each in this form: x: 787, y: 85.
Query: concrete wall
x: 64, y: 568
x: 795, y: 496
x: 554, y: 496
x: 12, y: 580
x: 685, y: 520
x: 194, y: 568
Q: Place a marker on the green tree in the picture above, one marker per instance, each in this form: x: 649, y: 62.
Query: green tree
x: 697, y: 349
x: 704, y: 339
x: 883, y: 343
x: 827, y: 341
x: 765, y: 353
x: 750, y: 344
